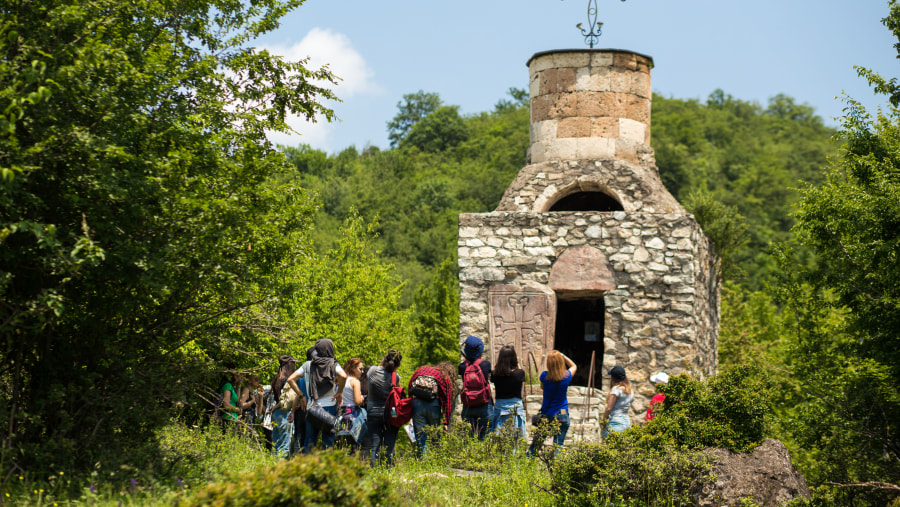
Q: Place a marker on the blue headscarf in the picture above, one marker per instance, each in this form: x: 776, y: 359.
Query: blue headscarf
x: 473, y: 348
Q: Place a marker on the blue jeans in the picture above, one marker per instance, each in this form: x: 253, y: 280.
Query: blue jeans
x: 425, y: 413
x: 479, y: 418
x: 617, y: 423
x: 282, y: 431
x: 560, y: 437
x: 506, y: 409
x: 382, y: 437
x: 312, y: 433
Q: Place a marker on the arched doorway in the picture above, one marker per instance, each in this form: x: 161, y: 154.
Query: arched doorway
x: 579, y: 335
x: 580, y: 278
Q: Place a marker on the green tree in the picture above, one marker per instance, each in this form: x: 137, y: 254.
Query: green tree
x: 724, y: 226
x: 139, y: 220
x: 410, y: 111
x: 753, y: 329
x: 747, y: 157
x: 847, y: 330
x: 350, y: 295
x: 437, y: 326
x: 438, y: 131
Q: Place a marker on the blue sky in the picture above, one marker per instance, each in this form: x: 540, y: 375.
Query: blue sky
x: 472, y: 52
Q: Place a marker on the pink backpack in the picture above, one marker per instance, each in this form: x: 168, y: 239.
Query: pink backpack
x: 476, y: 391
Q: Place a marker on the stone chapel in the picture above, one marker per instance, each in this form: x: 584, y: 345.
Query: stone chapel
x: 587, y: 252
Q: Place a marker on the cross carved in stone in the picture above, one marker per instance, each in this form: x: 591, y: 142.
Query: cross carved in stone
x: 518, y: 319
x: 521, y: 332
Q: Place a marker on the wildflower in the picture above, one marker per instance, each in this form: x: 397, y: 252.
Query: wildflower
x: 134, y: 482
x: 93, y: 488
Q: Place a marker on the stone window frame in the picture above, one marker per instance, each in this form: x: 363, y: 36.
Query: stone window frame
x: 576, y: 188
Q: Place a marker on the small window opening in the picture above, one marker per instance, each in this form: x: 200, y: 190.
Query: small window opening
x: 587, y: 201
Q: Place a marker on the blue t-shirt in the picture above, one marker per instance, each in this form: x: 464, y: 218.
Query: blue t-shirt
x: 555, y: 399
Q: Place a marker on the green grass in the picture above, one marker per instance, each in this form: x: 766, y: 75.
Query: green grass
x: 500, y: 473
x: 193, y: 457
x: 190, y: 457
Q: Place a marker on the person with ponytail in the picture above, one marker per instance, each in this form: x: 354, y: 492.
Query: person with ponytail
x: 618, y: 402
x: 382, y: 436
x: 353, y: 416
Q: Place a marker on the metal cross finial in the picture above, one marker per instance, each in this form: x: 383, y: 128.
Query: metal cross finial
x: 590, y: 37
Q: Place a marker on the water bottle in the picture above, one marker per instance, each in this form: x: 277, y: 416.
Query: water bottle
x: 393, y: 411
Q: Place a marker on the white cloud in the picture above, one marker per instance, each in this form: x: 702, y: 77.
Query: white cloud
x: 325, y: 47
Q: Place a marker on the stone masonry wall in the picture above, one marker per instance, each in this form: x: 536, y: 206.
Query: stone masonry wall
x: 589, y: 104
x: 659, y: 316
x: 636, y: 186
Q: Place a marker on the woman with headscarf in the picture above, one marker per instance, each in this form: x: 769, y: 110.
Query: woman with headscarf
x: 324, y: 382
x: 282, y: 415
x: 476, y: 413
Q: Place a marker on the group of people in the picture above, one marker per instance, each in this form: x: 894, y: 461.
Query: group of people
x: 320, y: 401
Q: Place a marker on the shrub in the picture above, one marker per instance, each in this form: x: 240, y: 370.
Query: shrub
x: 729, y: 410
x: 663, y: 462
x: 631, y: 468
x: 456, y: 449
x: 328, y: 478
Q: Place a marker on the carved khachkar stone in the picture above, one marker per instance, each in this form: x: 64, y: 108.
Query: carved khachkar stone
x: 587, y: 251
x: 522, y: 316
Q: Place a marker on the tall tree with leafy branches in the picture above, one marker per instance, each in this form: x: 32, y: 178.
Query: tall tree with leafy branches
x: 139, y: 217
x: 412, y: 109
x: 847, y: 346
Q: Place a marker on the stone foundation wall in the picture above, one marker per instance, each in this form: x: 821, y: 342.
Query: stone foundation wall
x: 659, y: 316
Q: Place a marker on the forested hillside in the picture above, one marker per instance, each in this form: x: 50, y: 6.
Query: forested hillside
x: 748, y: 157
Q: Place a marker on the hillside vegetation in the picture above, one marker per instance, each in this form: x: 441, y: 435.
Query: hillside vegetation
x: 153, y: 240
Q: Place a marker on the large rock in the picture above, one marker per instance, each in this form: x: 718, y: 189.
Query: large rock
x: 765, y: 476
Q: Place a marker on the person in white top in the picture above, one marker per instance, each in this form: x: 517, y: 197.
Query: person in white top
x: 353, y: 417
x: 618, y: 402
x: 324, y: 382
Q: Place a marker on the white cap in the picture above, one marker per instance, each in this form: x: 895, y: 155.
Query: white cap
x: 659, y: 378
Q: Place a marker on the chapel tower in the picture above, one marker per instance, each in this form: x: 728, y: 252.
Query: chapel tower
x: 587, y: 252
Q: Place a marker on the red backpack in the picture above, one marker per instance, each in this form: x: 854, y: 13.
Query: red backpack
x: 397, y: 409
x: 476, y: 391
